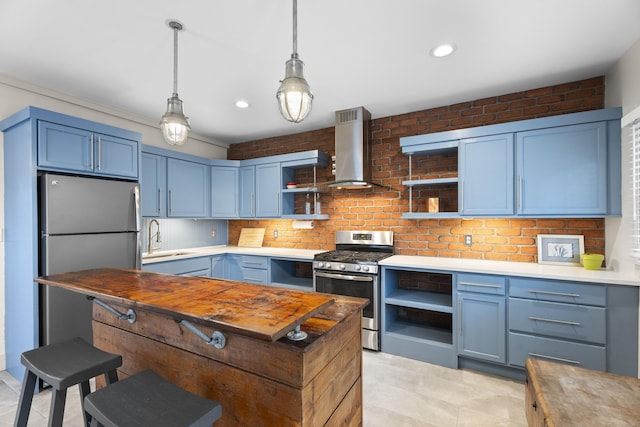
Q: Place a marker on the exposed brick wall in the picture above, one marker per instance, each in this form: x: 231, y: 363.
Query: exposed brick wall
x: 381, y: 208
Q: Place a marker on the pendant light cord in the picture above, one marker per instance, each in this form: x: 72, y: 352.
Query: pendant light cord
x: 295, y: 29
x: 176, y: 27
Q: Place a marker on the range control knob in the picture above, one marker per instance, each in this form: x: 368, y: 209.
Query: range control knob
x: 341, y: 267
x: 365, y: 268
x: 357, y: 268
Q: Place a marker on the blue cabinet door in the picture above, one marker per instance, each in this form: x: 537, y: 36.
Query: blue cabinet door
x: 116, y: 156
x: 247, y: 191
x: 562, y: 170
x: 486, y: 175
x: 482, y: 329
x: 64, y: 147
x: 188, y: 185
x: 68, y: 148
x: 268, y: 188
x: 224, y: 192
x: 153, y: 181
x: 218, y: 266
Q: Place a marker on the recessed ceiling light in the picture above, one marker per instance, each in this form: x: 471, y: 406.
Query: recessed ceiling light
x: 242, y: 104
x: 445, y: 49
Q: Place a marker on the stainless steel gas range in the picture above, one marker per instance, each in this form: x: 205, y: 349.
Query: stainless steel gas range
x: 353, y: 270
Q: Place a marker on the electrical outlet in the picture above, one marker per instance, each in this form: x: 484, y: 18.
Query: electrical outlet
x: 213, y: 232
x: 468, y: 240
x: 275, y: 234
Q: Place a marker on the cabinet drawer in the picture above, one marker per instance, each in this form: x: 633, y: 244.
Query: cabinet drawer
x: 181, y: 266
x: 253, y: 275
x: 553, y: 290
x: 569, y: 353
x: 481, y: 283
x: 575, y: 322
x: 251, y: 261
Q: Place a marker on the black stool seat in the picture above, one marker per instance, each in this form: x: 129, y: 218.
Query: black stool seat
x: 63, y: 365
x: 145, y: 399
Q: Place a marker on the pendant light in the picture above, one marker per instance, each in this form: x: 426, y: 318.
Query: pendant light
x: 294, y: 95
x: 174, y: 124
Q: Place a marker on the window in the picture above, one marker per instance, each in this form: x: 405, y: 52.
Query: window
x: 635, y: 165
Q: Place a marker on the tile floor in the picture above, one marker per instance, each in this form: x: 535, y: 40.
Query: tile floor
x: 397, y: 392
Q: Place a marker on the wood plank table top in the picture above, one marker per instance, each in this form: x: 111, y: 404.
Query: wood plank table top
x: 258, y: 311
x: 571, y: 396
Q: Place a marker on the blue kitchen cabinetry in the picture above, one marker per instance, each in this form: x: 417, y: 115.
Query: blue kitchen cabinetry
x: 500, y: 321
x: 482, y: 331
x: 247, y: 183
x: 291, y: 273
x: 153, y: 185
x: 559, y: 166
x: 82, y: 149
x: 587, y: 325
x: 307, y: 190
x: 219, y: 266
x: 224, y: 192
x: 417, y: 315
x: 25, y: 154
x: 486, y: 175
x: 268, y: 187
x: 562, y: 170
x: 248, y: 268
x: 200, y: 266
x: 189, y: 191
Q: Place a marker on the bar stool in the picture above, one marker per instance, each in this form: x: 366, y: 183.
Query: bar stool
x: 146, y: 399
x: 63, y: 365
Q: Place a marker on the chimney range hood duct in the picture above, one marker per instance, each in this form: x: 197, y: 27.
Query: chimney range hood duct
x: 353, y: 149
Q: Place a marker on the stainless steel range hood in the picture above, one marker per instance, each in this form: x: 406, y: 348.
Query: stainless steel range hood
x: 353, y: 149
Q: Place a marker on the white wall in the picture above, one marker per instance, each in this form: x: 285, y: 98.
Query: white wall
x: 622, y: 88
x: 16, y: 95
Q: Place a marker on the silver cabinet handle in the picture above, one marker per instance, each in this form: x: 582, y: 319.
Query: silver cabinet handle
x: 559, y: 359
x: 159, y: 202
x: 462, y: 196
x: 520, y: 193
x: 480, y: 285
x: 99, y: 152
x: 561, y: 294
x: 564, y: 322
x: 91, y: 152
x: 170, y: 202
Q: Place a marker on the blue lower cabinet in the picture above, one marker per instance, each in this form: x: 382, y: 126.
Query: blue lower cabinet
x: 248, y: 268
x: 182, y: 267
x: 482, y: 327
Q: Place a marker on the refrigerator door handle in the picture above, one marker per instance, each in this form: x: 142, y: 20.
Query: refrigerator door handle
x: 136, y: 204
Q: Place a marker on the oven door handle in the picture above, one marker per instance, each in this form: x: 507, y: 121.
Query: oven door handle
x: 345, y: 277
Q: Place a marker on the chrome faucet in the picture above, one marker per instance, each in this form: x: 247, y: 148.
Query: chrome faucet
x: 157, y: 236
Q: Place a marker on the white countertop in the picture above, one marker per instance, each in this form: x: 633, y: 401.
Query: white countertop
x: 508, y: 268
x: 302, y: 254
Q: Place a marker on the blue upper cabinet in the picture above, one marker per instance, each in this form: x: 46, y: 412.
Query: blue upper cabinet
x: 188, y: 185
x: 486, y: 175
x: 68, y: 148
x: 153, y: 185
x: 247, y: 191
x: 224, y: 192
x: 559, y: 166
x: 268, y: 186
x: 562, y: 170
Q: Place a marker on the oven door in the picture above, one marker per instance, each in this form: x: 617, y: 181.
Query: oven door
x: 352, y: 285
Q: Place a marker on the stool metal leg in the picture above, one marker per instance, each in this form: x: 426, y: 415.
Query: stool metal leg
x: 56, y: 413
x: 26, y: 397
x: 111, y: 376
x: 85, y: 389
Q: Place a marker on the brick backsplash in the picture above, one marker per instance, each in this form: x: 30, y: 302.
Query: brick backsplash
x: 380, y: 208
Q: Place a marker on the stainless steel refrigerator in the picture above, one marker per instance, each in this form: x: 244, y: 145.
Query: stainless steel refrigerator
x: 84, y: 223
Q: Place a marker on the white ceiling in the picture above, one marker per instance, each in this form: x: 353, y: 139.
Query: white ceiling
x: 374, y: 53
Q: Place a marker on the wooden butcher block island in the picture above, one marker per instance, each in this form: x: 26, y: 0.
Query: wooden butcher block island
x: 558, y: 395
x: 259, y: 375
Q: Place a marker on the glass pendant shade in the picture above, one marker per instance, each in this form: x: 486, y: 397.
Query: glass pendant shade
x: 174, y: 125
x: 294, y: 95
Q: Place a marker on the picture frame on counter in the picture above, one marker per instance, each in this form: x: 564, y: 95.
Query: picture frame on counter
x: 560, y: 249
